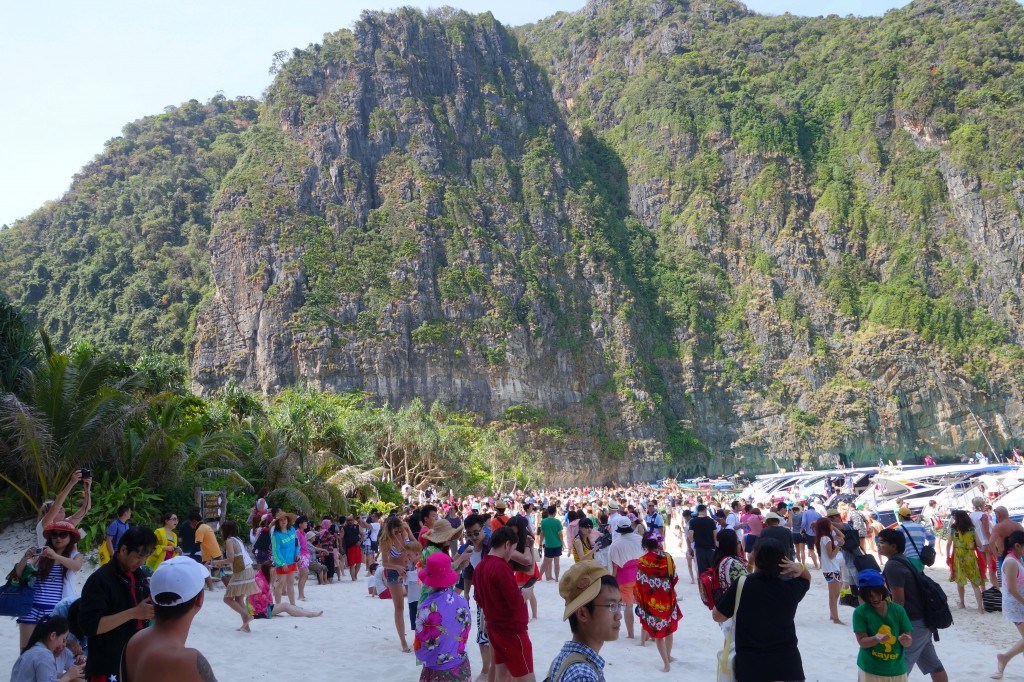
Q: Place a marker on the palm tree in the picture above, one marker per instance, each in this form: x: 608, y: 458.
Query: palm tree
x: 19, y: 348
x: 72, y: 411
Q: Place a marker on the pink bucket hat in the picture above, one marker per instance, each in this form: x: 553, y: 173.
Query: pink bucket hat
x: 438, y: 573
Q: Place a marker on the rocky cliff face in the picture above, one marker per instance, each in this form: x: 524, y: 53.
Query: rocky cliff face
x: 654, y: 237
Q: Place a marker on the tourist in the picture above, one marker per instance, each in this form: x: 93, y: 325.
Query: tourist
x: 796, y: 520
x: 882, y: 629
x: 395, y: 538
x: 54, y: 568
x: 914, y: 532
x: 474, y: 533
x: 1013, y: 597
x: 158, y: 653
x: 501, y: 517
x: 728, y: 560
x: 1003, y: 528
x: 752, y: 527
x: 118, y: 527
x: 261, y: 603
x: 373, y: 537
x: 301, y: 528
x: 594, y: 612
x: 810, y: 517
x: 773, y: 528
x: 284, y: 548
x: 603, y: 540
x: 504, y: 610
x: 426, y: 516
x: 243, y: 578
x: 187, y: 539
x: 326, y: 549
x: 443, y: 622
x: 830, y: 546
x: 45, y: 657
x: 657, y: 605
x: 962, y: 555
x: 551, y: 531
x: 765, y: 630
x: 682, y: 531
x: 900, y: 577
x: 983, y: 529
x: 624, y: 556
x: 166, y: 541
x: 52, y: 511
x: 702, y: 536
x: 439, y: 541
x: 583, y: 546
x: 524, y: 563
x: 351, y: 545
x: 209, y: 548
x: 654, y: 520
x: 115, y: 604
x: 261, y: 508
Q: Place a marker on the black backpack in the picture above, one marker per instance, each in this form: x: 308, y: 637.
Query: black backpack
x: 934, y: 603
x: 851, y: 540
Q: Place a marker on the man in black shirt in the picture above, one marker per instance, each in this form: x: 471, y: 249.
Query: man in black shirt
x: 773, y: 528
x: 899, y: 576
x: 115, y: 603
x: 703, y: 533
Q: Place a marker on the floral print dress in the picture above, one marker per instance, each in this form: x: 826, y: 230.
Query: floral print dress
x: 965, y: 561
x: 656, y: 602
x: 443, y: 622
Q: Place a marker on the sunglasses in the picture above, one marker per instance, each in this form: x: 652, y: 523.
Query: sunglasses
x: 58, y: 536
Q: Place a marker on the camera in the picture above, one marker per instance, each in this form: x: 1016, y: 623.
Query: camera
x: 86, y: 473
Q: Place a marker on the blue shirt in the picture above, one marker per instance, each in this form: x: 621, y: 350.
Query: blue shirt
x: 115, y: 530
x: 807, y: 525
x: 579, y: 672
x: 916, y: 532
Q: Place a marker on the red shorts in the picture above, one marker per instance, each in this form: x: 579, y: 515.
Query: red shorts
x: 354, y: 555
x: 285, y: 570
x: 513, y: 650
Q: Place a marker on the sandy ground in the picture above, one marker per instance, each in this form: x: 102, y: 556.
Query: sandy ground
x: 355, y: 638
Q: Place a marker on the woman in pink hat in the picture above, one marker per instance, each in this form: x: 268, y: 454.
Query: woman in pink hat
x: 442, y: 624
x: 55, y: 568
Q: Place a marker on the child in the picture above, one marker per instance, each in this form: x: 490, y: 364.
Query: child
x: 883, y: 631
x: 412, y: 556
x: 371, y: 582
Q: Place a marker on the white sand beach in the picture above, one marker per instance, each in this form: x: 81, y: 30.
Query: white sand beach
x: 355, y: 638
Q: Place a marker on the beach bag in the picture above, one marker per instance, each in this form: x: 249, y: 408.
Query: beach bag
x: 17, y: 594
x: 992, y: 599
x: 864, y: 562
x: 709, y: 587
x: 926, y: 554
x: 727, y: 656
x: 848, y: 598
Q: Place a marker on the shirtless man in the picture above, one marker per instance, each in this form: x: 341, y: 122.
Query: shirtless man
x: 997, y: 540
x: 158, y: 654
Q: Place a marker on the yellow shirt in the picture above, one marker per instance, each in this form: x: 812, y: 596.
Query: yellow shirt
x: 164, y: 544
x: 207, y: 540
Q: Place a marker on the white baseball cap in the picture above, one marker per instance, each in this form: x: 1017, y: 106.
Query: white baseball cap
x: 178, y: 575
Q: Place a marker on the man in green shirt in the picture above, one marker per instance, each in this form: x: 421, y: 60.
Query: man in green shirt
x: 551, y: 529
x: 882, y: 628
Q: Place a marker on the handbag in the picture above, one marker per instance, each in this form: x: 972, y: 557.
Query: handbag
x: 17, y: 594
x: 727, y: 657
x: 925, y: 554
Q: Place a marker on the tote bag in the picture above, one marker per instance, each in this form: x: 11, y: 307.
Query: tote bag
x: 726, y: 658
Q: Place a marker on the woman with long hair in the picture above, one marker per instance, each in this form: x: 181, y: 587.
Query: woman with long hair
x: 961, y: 553
x: 831, y: 546
x: 166, y: 541
x: 301, y: 524
x: 583, y: 547
x: 766, y: 642
x: 55, y: 568
x: 524, y: 562
x: 728, y: 561
x: 261, y: 507
x: 1013, y: 597
x: 45, y: 657
x: 243, y: 577
x: 284, y: 548
x: 261, y: 602
x: 657, y: 605
x: 395, y: 538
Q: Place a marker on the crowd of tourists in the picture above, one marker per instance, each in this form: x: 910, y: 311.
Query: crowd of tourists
x: 456, y: 568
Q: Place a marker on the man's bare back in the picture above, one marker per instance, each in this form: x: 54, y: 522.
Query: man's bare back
x: 1001, y: 531
x: 151, y: 657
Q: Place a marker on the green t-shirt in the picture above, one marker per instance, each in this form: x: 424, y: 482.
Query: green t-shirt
x: 551, y: 527
x: 885, y: 658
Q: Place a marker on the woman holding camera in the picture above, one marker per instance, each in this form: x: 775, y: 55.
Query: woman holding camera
x: 55, y: 566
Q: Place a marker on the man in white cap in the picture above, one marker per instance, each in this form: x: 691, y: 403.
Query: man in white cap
x: 158, y: 654
x: 593, y: 607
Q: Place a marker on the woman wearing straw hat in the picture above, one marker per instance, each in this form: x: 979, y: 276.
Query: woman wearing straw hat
x: 438, y: 540
x: 285, y: 550
x: 55, y: 567
x: 442, y: 624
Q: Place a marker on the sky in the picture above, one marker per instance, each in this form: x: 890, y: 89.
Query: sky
x: 75, y: 72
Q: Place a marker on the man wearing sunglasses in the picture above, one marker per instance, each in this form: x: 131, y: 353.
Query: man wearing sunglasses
x: 593, y: 607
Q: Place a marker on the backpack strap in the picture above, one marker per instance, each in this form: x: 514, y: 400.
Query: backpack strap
x: 911, y: 538
x: 571, y: 659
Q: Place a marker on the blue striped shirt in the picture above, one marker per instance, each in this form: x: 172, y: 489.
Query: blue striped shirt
x: 917, y: 536
x: 579, y: 672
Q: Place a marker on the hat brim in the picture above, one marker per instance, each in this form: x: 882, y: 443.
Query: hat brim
x: 582, y: 599
x: 442, y: 582
x: 47, y: 532
x: 443, y: 535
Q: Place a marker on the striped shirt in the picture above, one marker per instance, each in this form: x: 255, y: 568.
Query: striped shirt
x: 591, y: 671
x: 915, y: 535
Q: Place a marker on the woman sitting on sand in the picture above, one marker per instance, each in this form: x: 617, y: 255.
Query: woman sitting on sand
x: 261, y: 604
x: 46, y: 658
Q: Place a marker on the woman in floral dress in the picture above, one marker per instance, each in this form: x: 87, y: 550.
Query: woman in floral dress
x: 442, y: 624
x: 961, y: 547
x: 656, y: 602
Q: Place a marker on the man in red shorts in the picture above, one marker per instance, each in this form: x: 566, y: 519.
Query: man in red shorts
x: 504, y: 609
